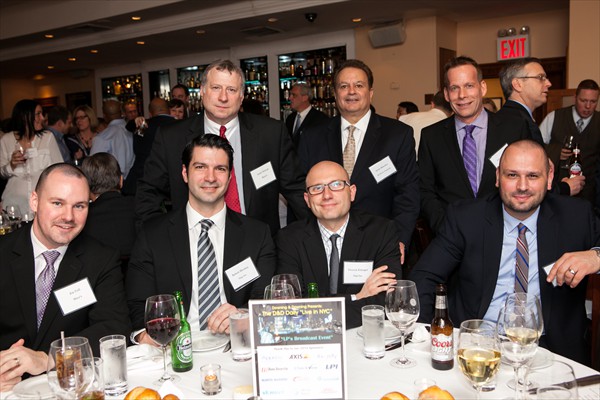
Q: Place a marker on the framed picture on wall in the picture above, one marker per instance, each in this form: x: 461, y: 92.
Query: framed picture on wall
x: 497, y: 101
x: 78, y: 99
x: 47, y: 103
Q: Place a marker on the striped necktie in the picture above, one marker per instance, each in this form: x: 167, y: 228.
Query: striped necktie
x: 522, y: 261
x: 208, y: 276
x: 470, y: 157
x: 580, y: 125
x: 44, y: 283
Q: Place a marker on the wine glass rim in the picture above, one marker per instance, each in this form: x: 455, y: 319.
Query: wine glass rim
x: 161, y: 297
x: 482, y: 325
x: 402, y: 283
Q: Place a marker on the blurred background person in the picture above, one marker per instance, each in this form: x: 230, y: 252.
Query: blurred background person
x: 80, y: 143
x: 177, y: 109
x: 406, y: 107
x: 489, y: 105
x: 60, y: 122
x: 181, y: 92
x: 24, y: 153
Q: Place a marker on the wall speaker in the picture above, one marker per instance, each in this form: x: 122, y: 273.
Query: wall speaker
x: 388, y: 35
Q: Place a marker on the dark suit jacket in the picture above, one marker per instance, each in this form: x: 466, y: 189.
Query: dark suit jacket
x: 263, y: 139
x: 160, y: 262
x: 397, y: 196
x: 467, y: 252
x: 442, y: 170
x: 313, y: 119
x: 141, y: 148
x: 300, y: 251
x: 512, y: 109
x: 111, y: 220
x: 85, y: 258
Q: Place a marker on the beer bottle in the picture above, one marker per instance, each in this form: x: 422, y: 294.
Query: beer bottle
x: 574, y: 164
x: 313, y: 290
x: 181, y: 346
x: 442, y: 345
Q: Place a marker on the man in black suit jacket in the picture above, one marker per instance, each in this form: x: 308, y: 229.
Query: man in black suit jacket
x: 60, y: 202
x: 300, y: 98
x: 444, y: 177
x: 383, y: 164
x: 266, y: 166
x: 161, y: 261
x: 476, y: 248
x: 305, y: 248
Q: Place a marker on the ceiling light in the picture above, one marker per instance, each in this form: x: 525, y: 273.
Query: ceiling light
x: 72, y: 59
x: 272, y: 20
x: 38, y: 77
x: 136, y: 18
x: 200, y: 31
x: 50, y: 66
x: 94, y: 51
x: 140, y: 42
x: 49, y: 36
x: 356, y: 19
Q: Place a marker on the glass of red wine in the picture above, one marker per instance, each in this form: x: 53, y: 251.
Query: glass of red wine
x: 162, y: 325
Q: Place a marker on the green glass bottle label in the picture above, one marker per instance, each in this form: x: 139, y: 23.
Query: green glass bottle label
x: 183, y: 347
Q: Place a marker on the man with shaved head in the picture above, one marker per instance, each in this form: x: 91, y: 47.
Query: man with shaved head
x: 520, y: 240
x: 334, y: 241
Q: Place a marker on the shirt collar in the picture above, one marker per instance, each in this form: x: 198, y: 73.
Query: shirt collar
x: 577, y: 117
x: 480, y: 122
x: 511, y: 223
x: 361, y: 125
x: 524, y: 106
x: 212, y: 126
x: 326, y: 233
x: 304, y: 112
x: 194, y: 217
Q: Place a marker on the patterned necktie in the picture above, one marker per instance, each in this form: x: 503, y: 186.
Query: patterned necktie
x: 522, y: 261
x: 580, y: 125
x: 350, y: 151
x: 297, y: 125
x: 232, y: 197
x: 208, y: 276
x: 470, y: 157
x: 334, y: 264
x: 43, y: 284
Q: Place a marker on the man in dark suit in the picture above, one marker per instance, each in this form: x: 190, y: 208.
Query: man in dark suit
x: 363, y: 242
x: 170, y: 252
x: 445, y: 177
x: 377, y: 152
x: 304, y: 115
x: 265, y: 163
x: 490, y: 247
x: 111, y: 216
x: 50, y: 255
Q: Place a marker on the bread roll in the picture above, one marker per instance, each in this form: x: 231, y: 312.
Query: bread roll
x: 142, y: 393
x: 394, y: 396
x: 435, y: 393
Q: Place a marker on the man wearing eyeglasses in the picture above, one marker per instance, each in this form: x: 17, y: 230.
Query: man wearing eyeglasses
x: 347, y: 253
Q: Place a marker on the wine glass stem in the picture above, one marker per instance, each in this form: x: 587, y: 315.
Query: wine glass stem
x: 165, y: 376
x: 403, y: 355
x: 520, y: 381
x: 478, y: 389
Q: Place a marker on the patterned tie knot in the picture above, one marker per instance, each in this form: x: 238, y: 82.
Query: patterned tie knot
x: 522, y: 229
x: 469, y: 130
x: 351, y: 130
x: 51, y: 256
x: 206, y: 224
x: 580, y: 124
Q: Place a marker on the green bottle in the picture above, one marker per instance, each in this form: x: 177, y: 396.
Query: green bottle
x: 181, y: 347
x: 313, y: 290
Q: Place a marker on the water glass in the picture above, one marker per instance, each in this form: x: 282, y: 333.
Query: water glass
x: 113, y: 350
x: 239, y: 334
x: 373, y: 317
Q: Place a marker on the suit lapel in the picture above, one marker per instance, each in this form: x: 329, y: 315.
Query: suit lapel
x: 368, y: 145
x: 180, y: 245
x: 195, y: 128
x: 315, y: 252
x: 547, y: 241
x: 23, y: 269
x: 493, y: 144
x: 250, y: 152
x: 334, y: 141
x: 234, y: 235
x: 451, y: 143
x: 492, y: 251
x: 353, y: 239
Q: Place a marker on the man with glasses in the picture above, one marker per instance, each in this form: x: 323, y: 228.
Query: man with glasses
x: 347, y: 253
x: 304, y: 115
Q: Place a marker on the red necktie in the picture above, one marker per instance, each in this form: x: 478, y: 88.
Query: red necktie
x: 232, y: 198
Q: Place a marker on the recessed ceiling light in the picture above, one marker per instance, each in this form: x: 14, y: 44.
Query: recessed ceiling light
x: 200, y: 31
x: 72, y: 59
x: 136, y: 18
x: 272, y: 20
x: 38, y: 77
x: 49, y: 36
x: 356, y: 19
x: 140, y: 42
x: 50, y: 66
x: 94, y: 51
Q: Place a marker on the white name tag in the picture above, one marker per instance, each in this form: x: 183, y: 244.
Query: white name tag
x: 263, y: 175
x: 382, y: 169
x: 547, y: 269
x: 75, y: 296
x: 242, y: 274
x: 495, y: 159
x: 357, y: 271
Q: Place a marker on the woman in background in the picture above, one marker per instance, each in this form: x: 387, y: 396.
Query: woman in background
x: 80, y: 143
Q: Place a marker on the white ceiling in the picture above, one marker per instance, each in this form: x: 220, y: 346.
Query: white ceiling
x: 168, y: 27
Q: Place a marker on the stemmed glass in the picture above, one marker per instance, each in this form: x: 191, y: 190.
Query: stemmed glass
x: 62, y: 357
x: 478, y: 352
x: 556, y: 382
x: 13, y: 212
x: 402, y: 309
x: 290, y: 279
x: 279, y: 291
x: 162, y: 324
x: 89, y: 379
x: 517, y: 331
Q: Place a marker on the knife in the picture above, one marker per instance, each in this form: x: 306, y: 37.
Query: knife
x: 586, y: 381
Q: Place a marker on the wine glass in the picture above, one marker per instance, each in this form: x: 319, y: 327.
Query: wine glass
x: 89, y: 380
x: 13, y: 212
x: 402, y: 309
x: 279, y: 291
x: 162, y: 325
x: 556, y: 382
x: 478, y: 352
x: 290, y: 279
x: 62, y: 356
x: 518, y: 336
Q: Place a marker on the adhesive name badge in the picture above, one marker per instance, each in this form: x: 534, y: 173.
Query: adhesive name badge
x: 263, y: 175
x: 242, y: 274
x: 76, y: 296
x: 357, y: 272
x: 495, y: 158
x: 547, y: 269
x: 382, y: 169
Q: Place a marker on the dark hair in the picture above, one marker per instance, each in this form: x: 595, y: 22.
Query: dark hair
x: 103, y: 172
x: 207, y: 140
x: 511, y: 71
x: 175, y: 103
x: 409, y: 106
x: 64, y: 168
x: 588, y: 84
x: 455, y: 62
x: 57, y: 113
x: 439, y: 100
x: 23, y: 115
x: 354, y: 64
x: 223, y: 65
x: 181, y: 86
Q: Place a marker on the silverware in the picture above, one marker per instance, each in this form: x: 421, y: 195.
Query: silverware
x: 395, y: 345
x: 227, y: 347
x: 586, y: 381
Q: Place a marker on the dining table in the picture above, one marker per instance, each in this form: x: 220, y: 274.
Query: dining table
x: 366, y: 378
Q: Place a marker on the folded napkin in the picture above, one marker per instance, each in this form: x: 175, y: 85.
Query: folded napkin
x: 144, y: 357
x: 169, y: 387
x: 420, y: 334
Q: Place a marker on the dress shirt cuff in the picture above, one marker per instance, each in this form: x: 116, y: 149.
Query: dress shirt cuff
x: 134, y: 334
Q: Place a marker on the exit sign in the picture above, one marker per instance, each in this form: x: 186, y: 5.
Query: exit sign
x: 511, y: 47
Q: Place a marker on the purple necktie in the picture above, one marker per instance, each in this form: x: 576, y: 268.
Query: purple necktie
x: 470, y: 157
x: 43, y: 285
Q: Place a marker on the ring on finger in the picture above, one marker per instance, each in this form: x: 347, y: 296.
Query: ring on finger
x: 17, y: 361
x: 572, y: 271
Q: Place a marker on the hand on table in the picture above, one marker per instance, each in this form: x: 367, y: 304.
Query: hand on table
x: 18, y: 360
x: 218, y: 321
x: 571, y: 268
x: 376, y: 283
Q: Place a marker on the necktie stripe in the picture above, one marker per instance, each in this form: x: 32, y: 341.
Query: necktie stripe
x: 44, y: 283
x: 208, y: 275
x: 470, y: 157
x: 521, y: 261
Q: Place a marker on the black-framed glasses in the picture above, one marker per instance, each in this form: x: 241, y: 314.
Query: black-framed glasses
x: 540, y: 77
x: 334, y: 186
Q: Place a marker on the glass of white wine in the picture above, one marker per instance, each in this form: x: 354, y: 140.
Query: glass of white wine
x: 478, y: 352
x: 402, y: 309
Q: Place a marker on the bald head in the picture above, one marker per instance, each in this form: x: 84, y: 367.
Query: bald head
x: 111, y: 110
x: 158, y: 106
x: 526, y: 145
x: 326, y: 167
